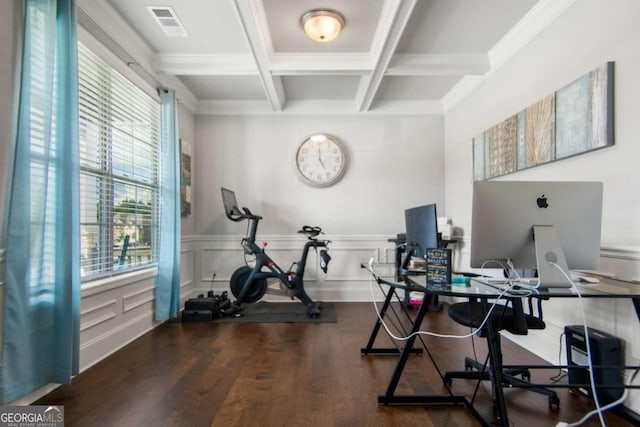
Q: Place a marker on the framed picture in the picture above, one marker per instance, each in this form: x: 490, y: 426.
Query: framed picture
x: 185, y: 178
x: 573, y: 120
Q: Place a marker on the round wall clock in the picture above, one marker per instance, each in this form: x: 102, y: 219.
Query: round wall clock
x: 321, y: 160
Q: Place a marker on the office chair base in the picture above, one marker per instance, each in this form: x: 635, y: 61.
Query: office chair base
x: 475, y: 370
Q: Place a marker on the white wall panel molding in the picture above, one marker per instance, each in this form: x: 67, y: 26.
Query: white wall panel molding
x: 137, y: 299
x: 97, y: 314
x: 621, y: 252
x: 101, y: 346
x: 116, y: 311
x: 186, y: 267
x: 344, y: 281
x: 617, y: 262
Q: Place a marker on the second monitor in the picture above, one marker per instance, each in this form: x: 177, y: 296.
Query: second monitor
x: 421, y: 225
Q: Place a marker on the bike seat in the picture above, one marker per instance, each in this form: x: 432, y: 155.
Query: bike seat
x: 310, y: 232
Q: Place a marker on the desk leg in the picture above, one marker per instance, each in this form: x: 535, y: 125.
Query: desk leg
x: 376, y: 328
x: 495, y: 362
x: 397, y: 373
x: 390, y: 398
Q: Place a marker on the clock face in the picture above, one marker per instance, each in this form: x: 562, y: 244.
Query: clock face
x: 321, y: 160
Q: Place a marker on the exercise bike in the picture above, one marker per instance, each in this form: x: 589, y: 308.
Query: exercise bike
x: 250, y: 283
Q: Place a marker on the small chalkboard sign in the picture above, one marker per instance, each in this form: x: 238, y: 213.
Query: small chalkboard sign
x: 438, y: 266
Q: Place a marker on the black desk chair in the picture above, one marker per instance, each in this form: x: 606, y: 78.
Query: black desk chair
x: 510, y: 318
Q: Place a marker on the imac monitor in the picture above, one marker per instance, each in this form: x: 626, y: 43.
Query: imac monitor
x: 421, y: 230
x: 535, y: 225
x: 230, y: 203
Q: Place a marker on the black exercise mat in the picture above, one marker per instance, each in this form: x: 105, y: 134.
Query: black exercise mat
x: 282, y: 312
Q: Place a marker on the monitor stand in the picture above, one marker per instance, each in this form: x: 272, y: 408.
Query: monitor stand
x: 549, y: 251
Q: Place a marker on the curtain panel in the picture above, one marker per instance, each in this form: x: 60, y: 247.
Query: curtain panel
x: 40, y: 229
x: 167, y: 302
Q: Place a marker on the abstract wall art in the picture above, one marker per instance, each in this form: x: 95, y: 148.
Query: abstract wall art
x: 573, y: 120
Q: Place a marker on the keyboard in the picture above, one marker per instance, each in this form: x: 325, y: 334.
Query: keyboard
x: 502, y: 280
x: 502, y: 283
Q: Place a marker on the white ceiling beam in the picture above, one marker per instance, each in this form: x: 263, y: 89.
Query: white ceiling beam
x: 284, y: 64
x: 438, y: 65
x: 213, y: 65
x: 234, y: 107
x: 254, y: 24
x: 394, y: 18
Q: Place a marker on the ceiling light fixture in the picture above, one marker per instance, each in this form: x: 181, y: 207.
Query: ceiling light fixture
x: 322, y: 25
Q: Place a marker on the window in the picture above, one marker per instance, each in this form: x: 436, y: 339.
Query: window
x: 119, y: 170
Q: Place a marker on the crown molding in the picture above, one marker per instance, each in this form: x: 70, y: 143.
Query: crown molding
x: 543, y: 14
x: 106, y: 26
x: 107, y: 20
x: 323, y: 107
x: 234, y: 107
x: 407, y: 107
x: 403, y: 64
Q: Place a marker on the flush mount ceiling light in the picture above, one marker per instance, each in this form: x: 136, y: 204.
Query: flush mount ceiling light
x: 322, y: 25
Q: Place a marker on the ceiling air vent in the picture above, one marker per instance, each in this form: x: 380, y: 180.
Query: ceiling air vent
x: 166, y: 17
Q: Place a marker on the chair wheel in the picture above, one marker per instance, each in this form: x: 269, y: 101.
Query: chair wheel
x: 447, y: 380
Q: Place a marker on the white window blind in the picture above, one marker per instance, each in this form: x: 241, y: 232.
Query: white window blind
x: 119, y: 151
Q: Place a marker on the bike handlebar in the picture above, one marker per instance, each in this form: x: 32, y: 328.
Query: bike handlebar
x: 310, y: 232
x: 236, y: 215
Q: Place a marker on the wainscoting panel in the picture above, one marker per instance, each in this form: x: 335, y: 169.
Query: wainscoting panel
x: 114, y: 312
x: 187, y: 284
x: 345, y: 280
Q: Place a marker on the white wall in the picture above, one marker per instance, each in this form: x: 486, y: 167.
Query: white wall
x: 394, y: 163
x: 588, y: 34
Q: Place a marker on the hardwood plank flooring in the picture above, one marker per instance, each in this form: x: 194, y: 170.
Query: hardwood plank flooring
x: 285, y: 374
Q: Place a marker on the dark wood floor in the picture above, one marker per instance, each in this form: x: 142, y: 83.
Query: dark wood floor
x: 232, y: 374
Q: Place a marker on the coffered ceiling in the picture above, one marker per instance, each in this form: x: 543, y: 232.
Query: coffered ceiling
x: 252, y: 57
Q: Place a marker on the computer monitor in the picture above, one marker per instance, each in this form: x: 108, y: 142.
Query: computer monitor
x: 421, y: 225
x: 231, y: 208
x: 537, y: 224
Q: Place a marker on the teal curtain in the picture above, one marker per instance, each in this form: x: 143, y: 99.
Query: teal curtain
x: 168, y: 280
x: 41, y: 228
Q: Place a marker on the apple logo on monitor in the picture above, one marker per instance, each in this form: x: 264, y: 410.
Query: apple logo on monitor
x: 542, y: 202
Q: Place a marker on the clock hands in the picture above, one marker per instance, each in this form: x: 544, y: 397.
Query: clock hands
x: 320, y: 159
